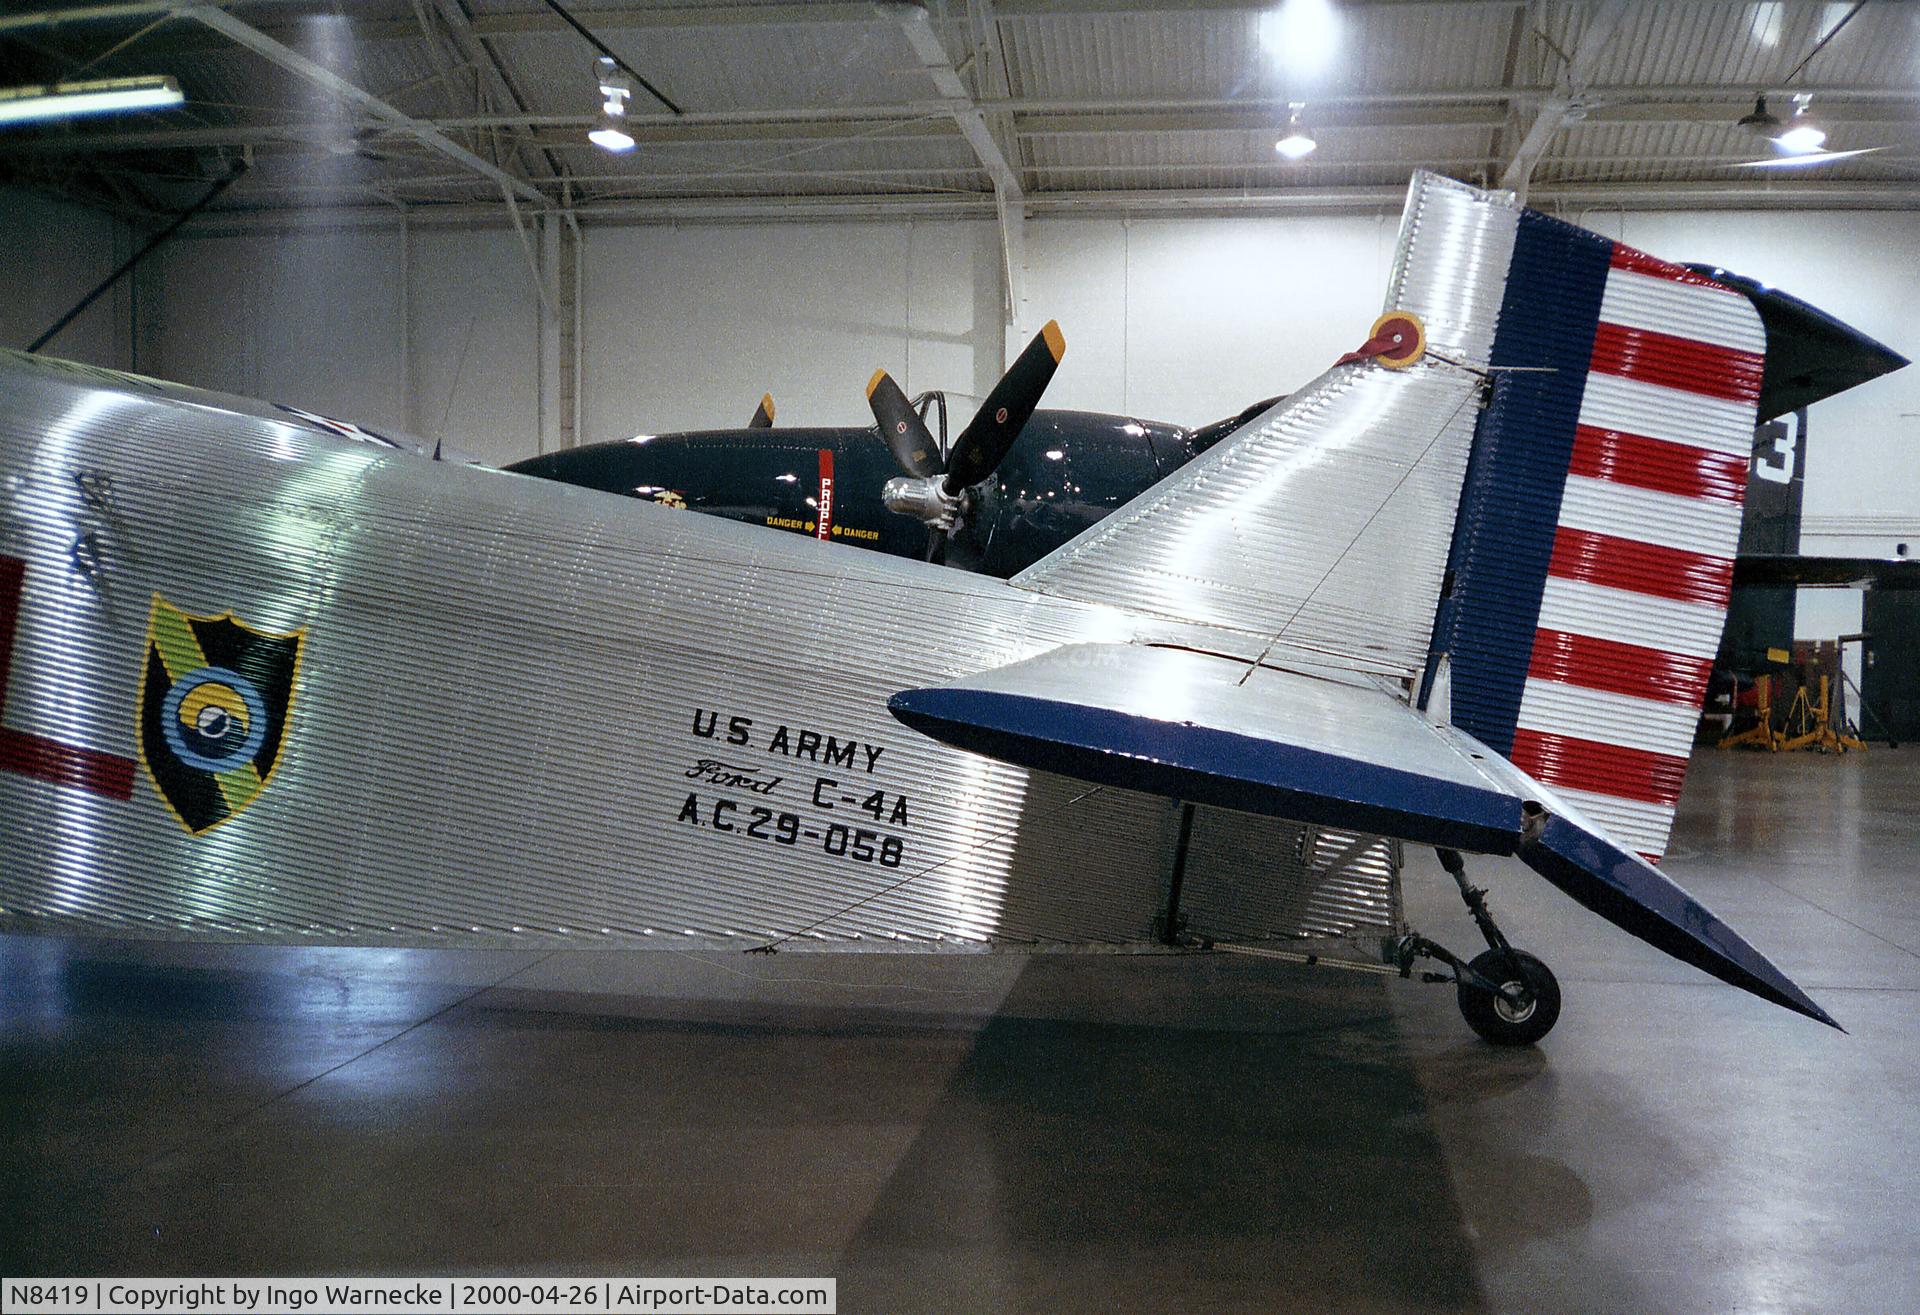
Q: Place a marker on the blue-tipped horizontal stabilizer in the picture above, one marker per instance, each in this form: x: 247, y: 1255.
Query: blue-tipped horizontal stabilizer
x: 1637, y: 897
x: 1319, y: 746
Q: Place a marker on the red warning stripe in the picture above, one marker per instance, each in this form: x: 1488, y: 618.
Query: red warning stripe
x: 1673, y: 362
x: 1608, y: 769
x: 66, y: 764
x: 1641, y: 568
x: 32, y: 755
x: 1639, y: 262
x: 823, y: 510
x: 1654, y: 463
x: 1617, y: 668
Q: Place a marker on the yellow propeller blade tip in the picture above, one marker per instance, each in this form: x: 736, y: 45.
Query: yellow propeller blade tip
x: 1056, y: 341
x: 766, y: 404
x: 874, y: 382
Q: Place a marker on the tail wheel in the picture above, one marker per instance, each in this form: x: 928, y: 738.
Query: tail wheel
x: 1523, y: 1010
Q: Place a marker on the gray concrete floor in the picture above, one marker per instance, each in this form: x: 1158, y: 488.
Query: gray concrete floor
x: 1005, y: 1133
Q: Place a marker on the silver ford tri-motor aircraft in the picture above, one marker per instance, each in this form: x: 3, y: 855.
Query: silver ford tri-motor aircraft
x: 263, y: 681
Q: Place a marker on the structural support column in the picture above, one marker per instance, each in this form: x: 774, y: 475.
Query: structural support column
x: 556, y: 335
x: 1009, y: 196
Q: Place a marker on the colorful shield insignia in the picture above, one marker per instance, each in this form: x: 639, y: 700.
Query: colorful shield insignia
x: 215, y: 699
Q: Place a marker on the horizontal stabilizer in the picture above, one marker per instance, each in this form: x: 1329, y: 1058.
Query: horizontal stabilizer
x: 1771, y: 570
x: 1637, y: 897
x: 1332, y: 749
x: 1321, y: 746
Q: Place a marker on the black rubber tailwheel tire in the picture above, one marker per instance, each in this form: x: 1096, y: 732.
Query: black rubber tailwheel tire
x: 1494, y: 1016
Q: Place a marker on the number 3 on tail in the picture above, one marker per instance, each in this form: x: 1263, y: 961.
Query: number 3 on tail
x: 1774, y: 462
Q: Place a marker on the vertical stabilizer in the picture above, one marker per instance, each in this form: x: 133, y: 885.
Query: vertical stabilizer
x: 1325, y: 523
x: 1593, y: 554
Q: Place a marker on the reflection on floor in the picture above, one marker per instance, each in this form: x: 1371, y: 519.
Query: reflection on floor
x: 1001, y: 1133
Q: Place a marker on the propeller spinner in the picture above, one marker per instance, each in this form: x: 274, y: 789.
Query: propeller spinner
x: 933, y: 492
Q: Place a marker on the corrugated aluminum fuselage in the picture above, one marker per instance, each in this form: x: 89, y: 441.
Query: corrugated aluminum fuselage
x: 525, y: 711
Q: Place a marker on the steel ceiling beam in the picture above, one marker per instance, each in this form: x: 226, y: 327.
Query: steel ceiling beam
x: 923, y: 123
x: 1602, y: 20
x: 723, y: 15
x: 541, y: 22
x: 298, y: 64
x: 1173, y: 203
x: 1438, y: 107
x: 991, y: 77
x: 496, y: 85
x: 641, y: 186
x: 45, y: 18
x: 1009, y: 194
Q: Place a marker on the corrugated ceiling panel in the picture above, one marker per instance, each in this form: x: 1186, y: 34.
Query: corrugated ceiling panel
x: 754, y: 169
x: 1706, y: 152
x: 1754, y: 44
x: 1213, y: 54
x: 1122, y: 56
x: 738, y: 68
x: 1239, y: 158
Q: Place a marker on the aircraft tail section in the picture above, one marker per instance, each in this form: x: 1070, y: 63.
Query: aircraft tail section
x: 1546, y: 504
x: 1593, y: 550
x: 1325, y: 523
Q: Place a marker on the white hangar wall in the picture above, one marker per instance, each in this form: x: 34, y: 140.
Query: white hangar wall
x: 51, y: 255
x: 1183, y: 320
x: 439, y: 331
x: 436, y: 334
x: 685, y: 327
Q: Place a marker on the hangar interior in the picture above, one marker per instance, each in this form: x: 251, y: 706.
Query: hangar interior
x: 398, y: 219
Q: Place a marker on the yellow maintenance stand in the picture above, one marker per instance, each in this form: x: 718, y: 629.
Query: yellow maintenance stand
x: 1809, y: 725
x: 1761, y: 734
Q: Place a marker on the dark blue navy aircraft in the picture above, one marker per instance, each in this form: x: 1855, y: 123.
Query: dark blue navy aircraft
x: 1018, y: 482
x: 1010, y: 487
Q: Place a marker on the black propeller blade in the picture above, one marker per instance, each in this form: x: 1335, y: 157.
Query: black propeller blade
x: 903, y: 429
x: 998, y: 422
x: 762, y: 414
x: 937, y: 494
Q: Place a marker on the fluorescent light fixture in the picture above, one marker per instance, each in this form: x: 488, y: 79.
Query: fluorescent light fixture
x: 1298, y: 144
x: 65, y: 100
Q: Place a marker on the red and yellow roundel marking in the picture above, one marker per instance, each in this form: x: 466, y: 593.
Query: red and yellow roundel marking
x: 1408, y: 336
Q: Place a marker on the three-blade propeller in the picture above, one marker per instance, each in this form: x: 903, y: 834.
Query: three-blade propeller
x: 934, y: 491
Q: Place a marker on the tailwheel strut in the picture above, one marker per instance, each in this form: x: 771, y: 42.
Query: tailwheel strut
x: 1506, y: 995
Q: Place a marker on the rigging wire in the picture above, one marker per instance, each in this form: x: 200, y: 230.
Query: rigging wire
x: 1360, y: 533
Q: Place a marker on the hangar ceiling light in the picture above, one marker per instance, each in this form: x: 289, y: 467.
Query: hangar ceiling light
x: 615, y: 91
x: 65, y: 100
x: 1762, y: 120
x: 1298, y: 143
x: 1301, y: 35
x: 1803, y: 132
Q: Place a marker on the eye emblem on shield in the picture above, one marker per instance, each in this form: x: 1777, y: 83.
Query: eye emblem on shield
x: 215, y: 699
